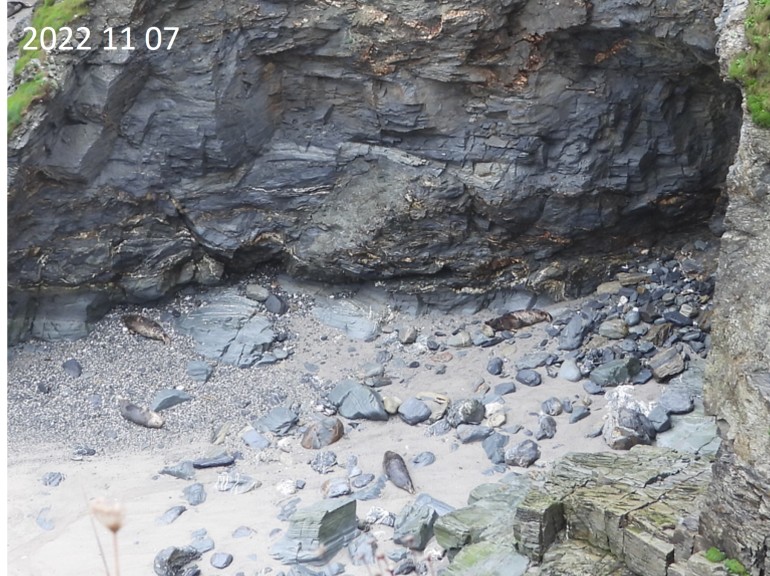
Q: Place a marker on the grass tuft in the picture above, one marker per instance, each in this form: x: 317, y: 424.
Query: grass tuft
x: 714, y: 554
x: 752, y: 68
x: 51, y: 13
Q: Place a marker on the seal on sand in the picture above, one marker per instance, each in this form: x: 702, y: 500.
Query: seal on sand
x: 145, y: 327
x: 519, y: 319
x: 395, y: 469
x: 138, y: 415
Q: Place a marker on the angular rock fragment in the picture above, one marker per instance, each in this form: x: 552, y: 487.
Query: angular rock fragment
x: 322, y: 432
x: 414, y: 526
x: 523, y: 454
x: 317, y: 533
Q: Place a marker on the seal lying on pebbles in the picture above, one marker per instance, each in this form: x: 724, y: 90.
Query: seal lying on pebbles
x: 138, y: 415
x: 395, y: 469
x: 519, y: 319
x: 145, y: 327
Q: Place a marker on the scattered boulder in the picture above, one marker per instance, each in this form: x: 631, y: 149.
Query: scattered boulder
x: 279, y: 421
x: 413, y: 411
x: 466, y: 411
x: 666, y: 363
x: 523, y: 454
x: 168, y: 398
x: 173, y: 560
x: 615, y: 372
x: 529, y: 377
x: 356, y: 401
x: 318, y: 532
x: 414, y: 526
x: 322, y: 432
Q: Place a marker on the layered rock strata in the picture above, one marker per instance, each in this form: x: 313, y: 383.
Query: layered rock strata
x: 470, y: 143
x: 737, y: 391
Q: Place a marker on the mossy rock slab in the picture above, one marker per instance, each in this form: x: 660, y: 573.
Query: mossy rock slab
x: 488, y: 559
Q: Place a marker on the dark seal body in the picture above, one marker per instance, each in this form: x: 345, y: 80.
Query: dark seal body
x: 395, y: 469
x: 519, y: 319
x: 145, y: 327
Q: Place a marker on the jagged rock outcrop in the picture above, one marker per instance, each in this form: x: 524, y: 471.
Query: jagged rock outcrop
x: 634, y: 513
x: 467, y: 143
x: 737, y: 387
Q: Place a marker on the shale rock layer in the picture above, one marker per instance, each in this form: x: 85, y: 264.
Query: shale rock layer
x: 469, y: 143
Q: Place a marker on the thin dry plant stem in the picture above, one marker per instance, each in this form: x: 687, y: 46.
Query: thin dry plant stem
x: 115, y: 548
x: 98, y: 542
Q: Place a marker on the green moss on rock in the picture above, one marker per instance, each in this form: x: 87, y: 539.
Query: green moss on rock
x: 752, y: 68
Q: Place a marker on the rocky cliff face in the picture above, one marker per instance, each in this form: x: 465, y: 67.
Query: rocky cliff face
x: 737, y: 517
x: 475, y: 143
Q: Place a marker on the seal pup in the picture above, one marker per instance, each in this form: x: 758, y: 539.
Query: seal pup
x: 395, y: 469
x: 519, y: 319
x: 145, y: 327
x: 138, y: 415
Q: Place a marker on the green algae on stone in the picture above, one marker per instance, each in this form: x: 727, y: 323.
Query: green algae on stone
x: 488, y: 559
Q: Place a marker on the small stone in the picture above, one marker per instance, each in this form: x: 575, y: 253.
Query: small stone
x: 614, y: 329
x: 254, y: 439
x: 666, y: 363
x: 676, y: 401
x: 423, y: 459
x: 466, y: 411
x: 578, y: 413
x: 276, y: 305
x: 677, y: 318
x: 659, y: 418
x: 324, y: 462
x: 279, y: 421
x: 171, y: 561
x: 215, y: 461
x: 335, y: 487
x: 221, y: 560
x: 460, y: 340
x: 171, y: 514
x: 494, y: 447
x: 552, y: 406
x: 53, y: 478
x: 72, y: 368
x: 495, y: 366
x: 569, y: 371
x: 242, y: 532
x: 504, y: 388
x: 183, y: 470
x: 496, y: 420
x: 632, y: 278
x: 407, y: 336
x: 199, y: 371
x: 168, y: 398
x: 257, y: 292
x: 468, y: 433
x: 689, y: 310
x: 643, y: 377
x: 592, y: 387
x: 43, y: 519
x: 391, y: 404
x: 615, y: 372
x: 322, y: 432
x: 361, y: 480
x: 632, y: 318
x: 546, y: 428
x: 528, y: 377
x: 195, y: 494
x: 413, y: 411
x: 523, y: 454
